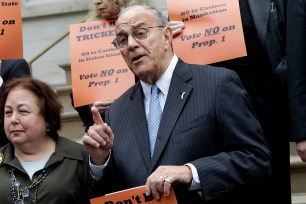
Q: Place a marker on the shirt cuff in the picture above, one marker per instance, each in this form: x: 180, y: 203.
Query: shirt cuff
x: 97, y: 171
x: 195, y: 183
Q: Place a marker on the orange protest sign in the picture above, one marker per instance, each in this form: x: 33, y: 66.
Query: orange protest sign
x: 213, y: 30
x: 11, y: 46
x: 97, y: 67
x: 134, y: 195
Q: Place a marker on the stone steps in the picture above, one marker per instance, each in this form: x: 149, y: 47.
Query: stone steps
x: 72, y: 126
x: 298, y: 173
x: 298, y: 198
x: 63, y: 94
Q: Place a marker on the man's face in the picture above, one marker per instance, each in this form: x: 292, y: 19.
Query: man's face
x: 145, y: 57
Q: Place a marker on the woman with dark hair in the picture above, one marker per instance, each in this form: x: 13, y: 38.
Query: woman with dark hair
x: 10, y: 69
x: 33, y: 166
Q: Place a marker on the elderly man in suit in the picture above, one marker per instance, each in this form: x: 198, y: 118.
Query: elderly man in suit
x: 10, y: 69
x: 208, y: 144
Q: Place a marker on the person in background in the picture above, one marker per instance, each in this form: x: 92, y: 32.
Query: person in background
x: 263, y: 74
x: 196, y: 132
x: 33, y: 166
x: 296, y: 48
x: 109, y: 10
x: 11, y: 69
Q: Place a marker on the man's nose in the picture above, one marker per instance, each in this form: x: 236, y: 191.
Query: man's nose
x: 132, y: 42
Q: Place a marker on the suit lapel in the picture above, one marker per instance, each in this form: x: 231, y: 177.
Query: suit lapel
x: 178, y: 94
x: 260, y: 11
x: 139, y: 124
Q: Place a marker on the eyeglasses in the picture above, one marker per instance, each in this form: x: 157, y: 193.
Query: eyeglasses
x: 121, y: 42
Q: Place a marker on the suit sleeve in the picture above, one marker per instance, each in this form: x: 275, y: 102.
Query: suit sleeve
x: 20, y: 69
x: 244, y: 155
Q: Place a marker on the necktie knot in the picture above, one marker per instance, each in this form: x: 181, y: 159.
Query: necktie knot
x: 154, y: 89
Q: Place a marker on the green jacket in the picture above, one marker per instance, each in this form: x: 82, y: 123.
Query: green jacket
x: 68, y: 181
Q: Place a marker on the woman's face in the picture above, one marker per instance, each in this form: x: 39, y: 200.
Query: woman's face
x: 106, y: 8
x: 23, y: 121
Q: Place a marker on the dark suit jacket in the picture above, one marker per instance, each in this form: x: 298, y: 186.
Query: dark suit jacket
x: 270, y: 22
x: 213, y: 127
x: 12, y: 69
x: 263, y: 73
x: 297, y: 67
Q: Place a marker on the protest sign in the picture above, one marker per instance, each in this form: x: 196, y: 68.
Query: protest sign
x: 98, y: 70
x: 11, y: 43
x: 134, y: 195
x: 213, y: 30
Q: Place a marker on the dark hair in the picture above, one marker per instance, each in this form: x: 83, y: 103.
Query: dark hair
x: 48, y: 103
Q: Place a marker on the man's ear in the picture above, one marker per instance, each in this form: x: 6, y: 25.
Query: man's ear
x: 168, y: 36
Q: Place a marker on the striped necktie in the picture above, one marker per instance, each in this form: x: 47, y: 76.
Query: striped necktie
x: 155, y: 113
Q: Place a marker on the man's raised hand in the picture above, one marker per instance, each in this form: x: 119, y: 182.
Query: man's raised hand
x: 98, y: 140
